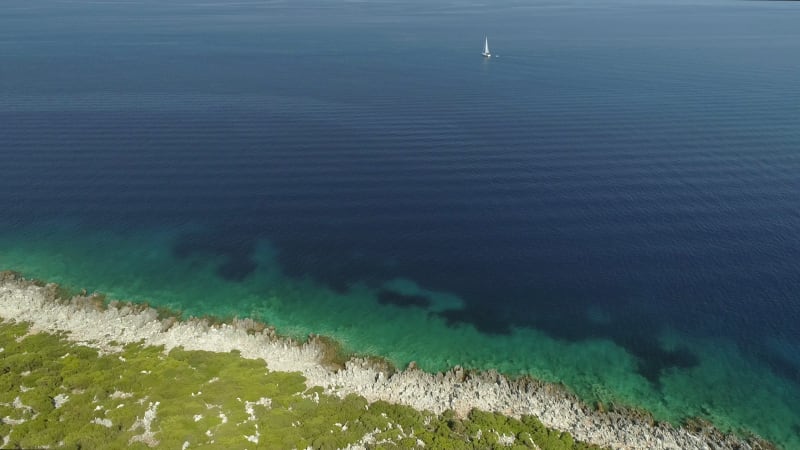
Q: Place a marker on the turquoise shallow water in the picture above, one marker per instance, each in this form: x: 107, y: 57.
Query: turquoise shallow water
x: 726, y: 387
x: 612, y: 203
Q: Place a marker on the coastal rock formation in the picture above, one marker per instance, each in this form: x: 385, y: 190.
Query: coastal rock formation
x: 107, y: 327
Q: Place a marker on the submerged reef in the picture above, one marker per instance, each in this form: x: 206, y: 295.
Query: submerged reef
x: 80, y: 371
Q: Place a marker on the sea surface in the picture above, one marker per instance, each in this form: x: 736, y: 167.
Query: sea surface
x: 611, y: 202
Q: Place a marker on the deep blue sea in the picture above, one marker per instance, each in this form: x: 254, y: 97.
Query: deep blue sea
x: 611, y: 202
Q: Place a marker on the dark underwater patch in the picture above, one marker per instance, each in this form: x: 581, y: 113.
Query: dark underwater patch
x: 387, y: 297
x: 236, y: 251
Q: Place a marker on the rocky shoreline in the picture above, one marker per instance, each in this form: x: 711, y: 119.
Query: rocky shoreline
x: 107, y: 326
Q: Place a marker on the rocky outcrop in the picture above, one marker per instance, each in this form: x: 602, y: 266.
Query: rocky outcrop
x: 108, y: 325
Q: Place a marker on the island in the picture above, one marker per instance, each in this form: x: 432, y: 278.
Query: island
x: 84, y: 371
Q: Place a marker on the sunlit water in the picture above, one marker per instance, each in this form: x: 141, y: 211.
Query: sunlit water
x: 612, y: 203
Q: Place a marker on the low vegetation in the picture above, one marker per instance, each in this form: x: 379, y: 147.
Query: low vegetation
x: 57, y: 393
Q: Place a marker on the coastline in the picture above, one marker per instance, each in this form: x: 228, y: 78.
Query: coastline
x: 91, y: 321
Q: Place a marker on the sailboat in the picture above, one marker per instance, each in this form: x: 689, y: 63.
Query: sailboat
x: 486, y: 48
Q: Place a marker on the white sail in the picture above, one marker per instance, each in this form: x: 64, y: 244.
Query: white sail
x: 486, y: 48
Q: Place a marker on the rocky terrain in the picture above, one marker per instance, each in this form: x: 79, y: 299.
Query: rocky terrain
x: 108, y: 326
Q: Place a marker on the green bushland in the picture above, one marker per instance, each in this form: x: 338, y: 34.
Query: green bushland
x: 210, y: 399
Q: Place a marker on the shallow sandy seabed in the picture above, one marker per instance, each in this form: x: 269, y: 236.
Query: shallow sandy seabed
x: 106, y: 328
